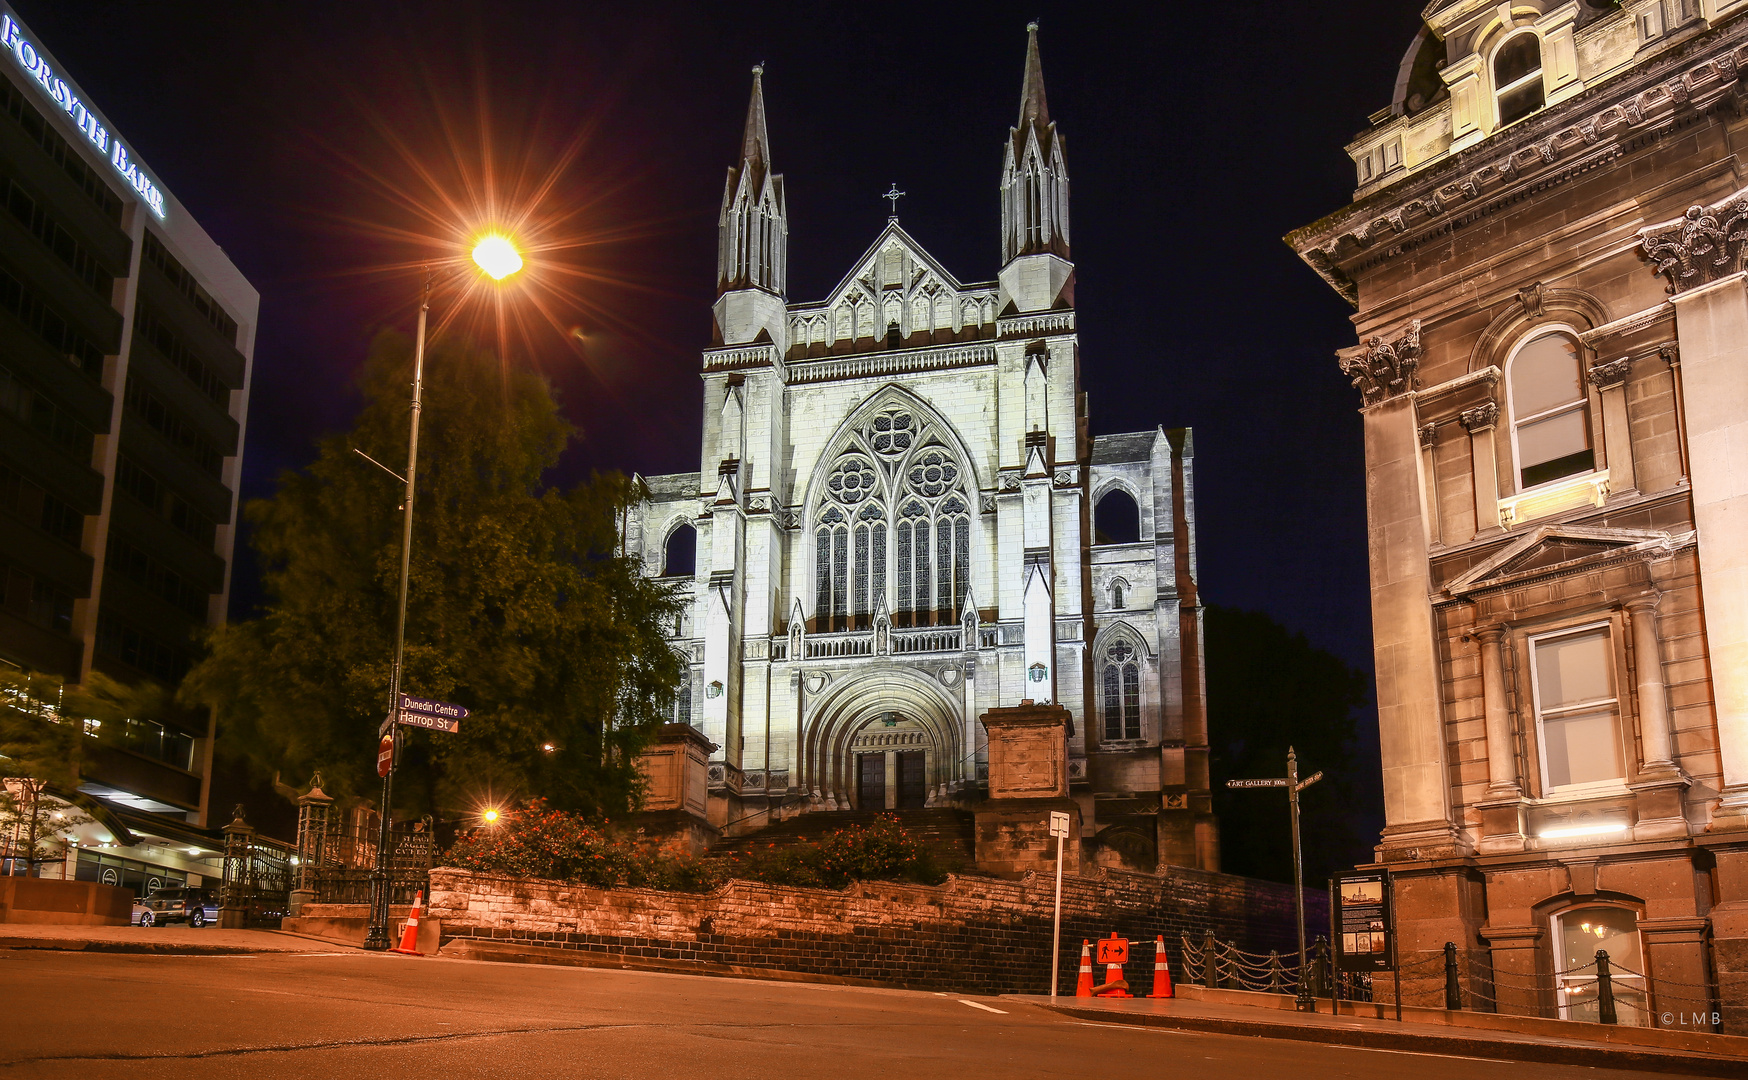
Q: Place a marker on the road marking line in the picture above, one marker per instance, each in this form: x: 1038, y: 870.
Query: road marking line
x: 981, y: 1005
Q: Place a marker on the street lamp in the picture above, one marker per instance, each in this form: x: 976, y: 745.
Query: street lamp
x: 497, y: 256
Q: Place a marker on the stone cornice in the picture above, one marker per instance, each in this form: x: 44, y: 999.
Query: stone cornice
x: 1568, y: 139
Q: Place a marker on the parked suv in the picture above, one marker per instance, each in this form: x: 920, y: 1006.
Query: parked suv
x: 196, y: 907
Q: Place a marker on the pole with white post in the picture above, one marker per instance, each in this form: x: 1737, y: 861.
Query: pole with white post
x: 1058, y: 829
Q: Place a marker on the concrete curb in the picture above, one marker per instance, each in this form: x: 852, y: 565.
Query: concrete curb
x: 1543, y: 1051
x: 158, y: 948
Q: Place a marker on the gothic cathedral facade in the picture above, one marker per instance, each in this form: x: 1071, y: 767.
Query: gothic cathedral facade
x: 892, y: 530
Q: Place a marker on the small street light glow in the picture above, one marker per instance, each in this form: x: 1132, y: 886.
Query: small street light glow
x: 497, y: 256
x: 490, y: 817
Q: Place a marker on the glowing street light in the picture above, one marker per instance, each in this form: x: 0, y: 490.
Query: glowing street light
x: 490, y: 817
x: 497, y: 256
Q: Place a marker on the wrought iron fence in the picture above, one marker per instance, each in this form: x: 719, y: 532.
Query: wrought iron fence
x: 257, y: 879
x: 337, y: 866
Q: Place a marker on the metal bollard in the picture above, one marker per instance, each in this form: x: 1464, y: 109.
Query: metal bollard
x: 1210, y: 967
x: 1604, y: 990
x: 1453, y: 991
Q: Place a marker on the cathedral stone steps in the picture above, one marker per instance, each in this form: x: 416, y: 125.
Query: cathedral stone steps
x: 950, y: 834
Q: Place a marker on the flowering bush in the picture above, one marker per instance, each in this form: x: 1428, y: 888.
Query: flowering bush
x: 541, y: 842
x: 545, y: 843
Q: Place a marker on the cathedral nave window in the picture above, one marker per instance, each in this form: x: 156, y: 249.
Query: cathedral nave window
x: 1550, y: 413
x: 1122, y: 691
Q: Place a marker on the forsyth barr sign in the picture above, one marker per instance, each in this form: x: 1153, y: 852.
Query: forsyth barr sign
x: 62, y: 93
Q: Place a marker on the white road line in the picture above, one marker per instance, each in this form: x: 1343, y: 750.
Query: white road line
x: 981, y: 1005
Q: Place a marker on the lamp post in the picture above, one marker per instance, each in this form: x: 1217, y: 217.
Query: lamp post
x: 498, y: 258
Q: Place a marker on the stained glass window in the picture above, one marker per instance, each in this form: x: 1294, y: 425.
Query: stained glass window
x: 904, y: 595
x: 1122, y: 692
x: 877, y: 566
x: 1113, y: 704
x: 822, y: 573
x: 840, y: 574
x: 861, y: 583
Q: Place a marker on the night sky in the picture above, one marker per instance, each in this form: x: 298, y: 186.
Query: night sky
x: 1197, y: 136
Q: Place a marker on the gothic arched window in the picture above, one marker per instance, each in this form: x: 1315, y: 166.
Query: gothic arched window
x: 893, y: 506
x: 1122, y: 691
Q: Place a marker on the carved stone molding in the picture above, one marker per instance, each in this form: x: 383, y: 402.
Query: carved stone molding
x: 1702, y: 245
x: 1010, y: 481
x: 1382, y: 370
x: 986, y: 504
x: 1428, y: 436
x: 1068, y: 476
x: 1612, y: 373
x: 1480, y: 418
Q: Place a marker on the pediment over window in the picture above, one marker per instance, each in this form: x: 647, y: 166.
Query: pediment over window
x: 1558, y: 549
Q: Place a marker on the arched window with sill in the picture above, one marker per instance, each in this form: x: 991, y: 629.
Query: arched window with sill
x: 1550, y: 410
x: 1517, y: 77
x: 680, y: 554
x: 1120, y: 684
x: 1579, y: 934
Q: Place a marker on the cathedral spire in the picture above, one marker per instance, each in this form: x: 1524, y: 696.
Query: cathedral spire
x: 1034, y: 197
x: 1033, y: 108
x: 752, y: 229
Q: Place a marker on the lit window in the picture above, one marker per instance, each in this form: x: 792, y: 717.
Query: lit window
x: 1517, y: 77
x: 1550, y: 411
x: 1576, y: 709
x: 1582, y: 932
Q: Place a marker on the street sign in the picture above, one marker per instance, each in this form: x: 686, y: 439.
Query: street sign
x: 385, y: 755
x: 1309, y: 780
x: 1113, y: 950
x: 1280, y: 781
x: 432, y: 708
x: 1058, y: 823
x: 430, y: 723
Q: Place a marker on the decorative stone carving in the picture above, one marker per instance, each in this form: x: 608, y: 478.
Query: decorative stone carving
x: 1702, y: 245
x: 787, y: 518
x: 986, y: 504
x: 1068, y: 477
x: 1480, y: 417
x: 1530, y: 297
x: 758, y: 506
x: 1383, y: 370
x: 1010, y: 481
x: 1428, y: 436
x: 1610, y: 374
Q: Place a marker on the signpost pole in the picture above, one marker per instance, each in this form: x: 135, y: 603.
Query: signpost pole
x: 1305, y: 1002
x: 376, y: 937
x: 1059, y: 826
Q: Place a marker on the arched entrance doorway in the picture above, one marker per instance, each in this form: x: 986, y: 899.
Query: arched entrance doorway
x: 884, y: 739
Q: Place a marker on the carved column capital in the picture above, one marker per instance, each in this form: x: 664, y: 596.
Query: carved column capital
x: 1643, y: 605
x: 1613, y: 373
x: 1701, y: 246
x: 1381, y: 369
x: 1480, y: 418
x: 1488, y: 635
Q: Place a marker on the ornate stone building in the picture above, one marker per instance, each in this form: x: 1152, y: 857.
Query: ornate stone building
x: 894, y: 528
x: 1546, y: 254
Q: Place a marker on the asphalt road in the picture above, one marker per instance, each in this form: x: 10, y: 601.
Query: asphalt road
x: 93, y: 1016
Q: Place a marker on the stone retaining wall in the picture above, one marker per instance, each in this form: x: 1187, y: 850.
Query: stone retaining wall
x: 971, y: 933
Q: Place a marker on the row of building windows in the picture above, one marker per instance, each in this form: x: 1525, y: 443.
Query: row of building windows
x: 39, y: 130
x: 157, y: 496
x: 183, y: 282
x: 141, y: 651
x: 38, y: 411
x: 29, y: 503
x: 42, y: 319
x: 66, y: 247
x: 37, y: 599
x: 148, y: 326
x: 156, y: 578
x: 180, y: 433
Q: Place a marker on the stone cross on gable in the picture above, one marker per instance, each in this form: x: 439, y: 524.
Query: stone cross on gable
x: 893, y: 196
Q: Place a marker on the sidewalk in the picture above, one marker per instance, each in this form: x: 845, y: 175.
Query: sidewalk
x: 1687, y: 1053
x: 163, y: 940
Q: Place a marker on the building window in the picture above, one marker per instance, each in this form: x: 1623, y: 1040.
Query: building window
x: 1550, y: 410
x: 1517, y: 77
x: 1116, y: 518
x: 1577, y: 713
x: 683, y: 701
x: 1122, y: 691
x: 1582, y: 932
x: 681, y: 554
x: 1117, y: 595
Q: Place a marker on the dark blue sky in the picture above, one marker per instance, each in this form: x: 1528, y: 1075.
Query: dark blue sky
x: 1197, y: 136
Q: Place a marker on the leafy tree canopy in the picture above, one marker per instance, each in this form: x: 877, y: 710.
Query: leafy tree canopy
x: 519, y: 606
x: 1268, y: 689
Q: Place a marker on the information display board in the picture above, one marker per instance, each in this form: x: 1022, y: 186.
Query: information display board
x: 1363, y: 922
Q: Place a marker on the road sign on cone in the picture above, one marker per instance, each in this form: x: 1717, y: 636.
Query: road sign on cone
x: 409, y: 945
x: 1113, y: 953
x: 1083, y: 986
x: 1161, y: 970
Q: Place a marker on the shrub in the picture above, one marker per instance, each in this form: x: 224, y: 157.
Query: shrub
x: 881, y: 851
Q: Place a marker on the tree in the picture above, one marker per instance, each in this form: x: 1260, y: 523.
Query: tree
x: 520, y: 607
x: 41, y: 750
x: 1268, y: 689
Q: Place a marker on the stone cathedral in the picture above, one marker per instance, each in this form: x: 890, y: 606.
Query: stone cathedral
x: 900, y: 521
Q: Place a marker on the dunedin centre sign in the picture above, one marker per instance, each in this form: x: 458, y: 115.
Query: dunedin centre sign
x: 13, y: 39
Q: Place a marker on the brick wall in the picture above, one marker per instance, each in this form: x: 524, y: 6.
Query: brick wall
x: 971, y: 933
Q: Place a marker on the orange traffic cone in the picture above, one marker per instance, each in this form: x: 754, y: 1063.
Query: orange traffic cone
x: 409, y: 945
x: 1161, y: 970
x: 1114, y: 985
x: 1083, y: 986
